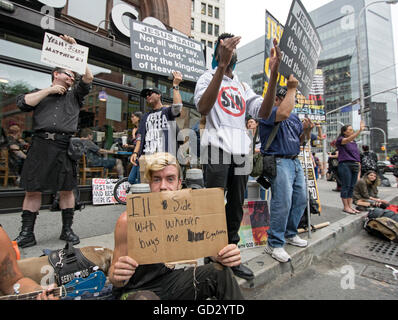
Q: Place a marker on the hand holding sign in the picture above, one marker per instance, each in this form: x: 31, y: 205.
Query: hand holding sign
x: 124, y: 268
x: 292, y: 82
x: 68, y: 39
x: 177, y: 78
x: 275, y: 58
x: 229, y: 256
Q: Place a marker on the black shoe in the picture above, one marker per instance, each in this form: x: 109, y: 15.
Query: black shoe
x: 243, y: 272
x: 26, y: 237
x: 69, y: 236
x: 67, y: 233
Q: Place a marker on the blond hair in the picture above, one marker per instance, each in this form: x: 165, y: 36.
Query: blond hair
x: 158, y: 161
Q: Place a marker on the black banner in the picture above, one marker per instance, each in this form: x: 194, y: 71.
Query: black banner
x: 159, y: 51
x: 300, y: 46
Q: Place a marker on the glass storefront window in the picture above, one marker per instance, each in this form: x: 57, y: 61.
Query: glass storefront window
x: 109, y: 119
x: 83, y: 10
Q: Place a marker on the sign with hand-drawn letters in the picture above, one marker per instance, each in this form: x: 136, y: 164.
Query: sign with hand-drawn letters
x: 159, y: 51
x: 300, y: 46
x: 175, y: 226
x: 60, y: 53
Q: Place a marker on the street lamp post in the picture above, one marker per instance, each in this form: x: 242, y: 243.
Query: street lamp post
x: 361, y: 93
x: 385, y: 140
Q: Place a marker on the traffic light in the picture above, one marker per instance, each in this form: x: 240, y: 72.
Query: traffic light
x: 383, y: 148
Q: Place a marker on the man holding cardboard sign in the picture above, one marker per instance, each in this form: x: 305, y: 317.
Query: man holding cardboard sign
x: 141, y: 243
x: 48, y: 166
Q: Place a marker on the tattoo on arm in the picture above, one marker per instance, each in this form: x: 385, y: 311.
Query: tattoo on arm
x: 7, y: 268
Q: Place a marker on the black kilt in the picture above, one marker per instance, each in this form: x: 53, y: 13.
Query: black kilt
x: 48, y: 167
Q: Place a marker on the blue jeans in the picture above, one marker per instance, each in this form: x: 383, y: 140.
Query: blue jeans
x: 288, y: 201
x: 134, y: 176
x: 348, y: 173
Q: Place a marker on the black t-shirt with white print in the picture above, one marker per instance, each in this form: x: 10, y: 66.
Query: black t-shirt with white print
x: 154, y: 130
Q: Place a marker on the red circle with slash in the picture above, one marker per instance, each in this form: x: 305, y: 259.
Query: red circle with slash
x: 239, y: 109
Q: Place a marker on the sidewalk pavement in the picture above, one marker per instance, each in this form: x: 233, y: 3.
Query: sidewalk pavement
x: 95, y: 226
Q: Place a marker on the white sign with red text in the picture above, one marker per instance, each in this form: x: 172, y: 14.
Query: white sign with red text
x: 103, y: 191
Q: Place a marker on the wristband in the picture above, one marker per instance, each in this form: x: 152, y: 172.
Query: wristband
x: 176, y: 87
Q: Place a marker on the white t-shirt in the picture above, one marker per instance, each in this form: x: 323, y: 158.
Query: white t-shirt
x: 225, y: 123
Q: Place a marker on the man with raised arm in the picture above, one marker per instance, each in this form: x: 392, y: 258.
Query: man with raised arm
x: 48, y: 166
x: 225, y: 101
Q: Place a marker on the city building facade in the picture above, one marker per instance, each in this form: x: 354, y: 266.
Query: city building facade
x: 337, y: 24
x: 207, y: 23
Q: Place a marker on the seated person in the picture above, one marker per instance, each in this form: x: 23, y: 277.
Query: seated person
x: 214, y: 279
x: 94, y: 154
x: 17, y: 148
x: 365, y: 192
x: 10, y: 274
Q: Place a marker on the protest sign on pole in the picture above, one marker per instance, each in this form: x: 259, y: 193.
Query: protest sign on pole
x: 273, y: 30
x: 175, y: 226
x: 300, y: 46
x: 311, y: 107
x: 308, y: 168
x: 60, y: 53
x: 159, y: 51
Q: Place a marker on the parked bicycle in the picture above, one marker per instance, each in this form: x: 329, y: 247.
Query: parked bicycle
x: 121, y: 190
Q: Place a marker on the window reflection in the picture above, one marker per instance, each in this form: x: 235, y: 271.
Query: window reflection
x: 83, y: 10
x: 110, y: 118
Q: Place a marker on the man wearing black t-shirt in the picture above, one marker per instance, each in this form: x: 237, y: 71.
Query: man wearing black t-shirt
x: 155, y: 125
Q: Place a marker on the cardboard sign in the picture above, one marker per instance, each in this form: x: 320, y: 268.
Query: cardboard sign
x: 254, y: 225
x: 60, y: 53
x: 159, y: 51
x: 300, y: 46
x: 176, y: 225
x: 102, y: 191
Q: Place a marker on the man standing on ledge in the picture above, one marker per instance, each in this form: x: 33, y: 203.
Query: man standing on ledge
x: 224, y: 100
x: 288, y: 187
x: 48, y: 166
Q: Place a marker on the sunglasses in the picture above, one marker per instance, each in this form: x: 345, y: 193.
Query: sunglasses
x: 69, y: 75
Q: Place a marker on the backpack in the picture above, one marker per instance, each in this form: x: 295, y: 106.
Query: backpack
x: 368, y: 162
x: 314, y: 209
x: 383, y: 227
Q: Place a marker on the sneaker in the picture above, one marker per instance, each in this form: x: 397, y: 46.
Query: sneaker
x: 297, y: 241
x: 277, y: 253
